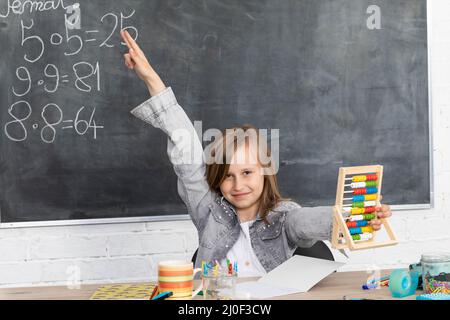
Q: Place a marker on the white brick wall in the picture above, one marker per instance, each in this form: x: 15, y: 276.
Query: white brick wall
x: 131, y: 251
x: 92, y: 253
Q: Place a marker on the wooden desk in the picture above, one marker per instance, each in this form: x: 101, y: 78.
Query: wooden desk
x: 334, y: 287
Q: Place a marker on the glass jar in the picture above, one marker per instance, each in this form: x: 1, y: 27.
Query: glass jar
x: 436, y: 272
x: 219, y: 286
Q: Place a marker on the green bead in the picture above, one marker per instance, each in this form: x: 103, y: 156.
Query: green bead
x: 371, y: 184
x: 358, y: 205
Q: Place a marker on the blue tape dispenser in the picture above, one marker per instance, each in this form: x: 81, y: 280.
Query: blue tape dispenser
x: 403, y: 283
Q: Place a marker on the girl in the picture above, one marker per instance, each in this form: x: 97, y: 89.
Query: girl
x: 235, y: 205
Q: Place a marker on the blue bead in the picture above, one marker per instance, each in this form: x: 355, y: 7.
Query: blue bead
x: 358, y: 198
x: 355, y: 230
x: 371, y: 190
x: 361, y: 223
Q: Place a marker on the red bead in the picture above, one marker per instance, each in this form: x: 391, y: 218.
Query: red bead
x: 369, y: 209
x: 371, y: 177
x: 359, y: 191
x: 351, y: 224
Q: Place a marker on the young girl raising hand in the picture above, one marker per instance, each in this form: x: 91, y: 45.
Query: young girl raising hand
x: 232, y: 197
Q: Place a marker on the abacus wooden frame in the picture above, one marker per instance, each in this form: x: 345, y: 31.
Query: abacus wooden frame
x: 341, y: 238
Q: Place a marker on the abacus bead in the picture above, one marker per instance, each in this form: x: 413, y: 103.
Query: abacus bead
x: 370, y: 184
x: 355, y: 230
x: 369, y: 216
x: 357, y: 210
x: 363, y: 236
x: 356, y: 185
x: 369, y: 209
x: 371, y: 190
x: 356, y: 237
x: 369, y: 197
x: 359, y: 178
x: 361, y: 223
x: 351, y: 224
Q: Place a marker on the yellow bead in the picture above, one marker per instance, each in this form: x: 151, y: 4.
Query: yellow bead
x: 359, y: 178
x: 357, y: 210
x: 370, y: 197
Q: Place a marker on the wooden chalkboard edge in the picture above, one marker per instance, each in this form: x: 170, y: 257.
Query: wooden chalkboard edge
x: 181, y: 217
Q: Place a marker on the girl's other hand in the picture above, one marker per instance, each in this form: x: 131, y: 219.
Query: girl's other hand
x: 381, y: 212
x: 135, y: 59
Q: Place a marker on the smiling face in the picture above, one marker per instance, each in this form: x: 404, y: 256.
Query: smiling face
x: 237, y: 173
x: 244, y: 181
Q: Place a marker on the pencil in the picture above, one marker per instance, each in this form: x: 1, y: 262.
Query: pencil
x: 155, y: 291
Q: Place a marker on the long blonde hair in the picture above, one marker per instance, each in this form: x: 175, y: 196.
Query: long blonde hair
x: 217, y: 171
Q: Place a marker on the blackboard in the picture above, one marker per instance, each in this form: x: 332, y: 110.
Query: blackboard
x: 344, y: 81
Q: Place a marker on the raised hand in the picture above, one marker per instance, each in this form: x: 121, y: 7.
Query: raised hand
x: 135, y: 59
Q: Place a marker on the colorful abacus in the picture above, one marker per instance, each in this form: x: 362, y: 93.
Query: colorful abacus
x: 357, y: 196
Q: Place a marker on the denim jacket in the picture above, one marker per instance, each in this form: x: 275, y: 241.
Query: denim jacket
x: 289, y: 225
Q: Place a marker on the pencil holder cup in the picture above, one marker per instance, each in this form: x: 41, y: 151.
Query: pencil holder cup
x: 221, y: 286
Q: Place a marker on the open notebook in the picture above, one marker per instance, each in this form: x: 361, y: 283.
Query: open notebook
x: 298, y: 274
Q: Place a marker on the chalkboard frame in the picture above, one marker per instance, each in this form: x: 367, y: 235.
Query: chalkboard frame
x: 185, y: 217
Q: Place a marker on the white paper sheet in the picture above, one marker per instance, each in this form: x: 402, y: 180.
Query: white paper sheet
x: 298, y: 274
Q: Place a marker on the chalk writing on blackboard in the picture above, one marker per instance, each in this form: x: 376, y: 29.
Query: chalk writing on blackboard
x: 84, y: 76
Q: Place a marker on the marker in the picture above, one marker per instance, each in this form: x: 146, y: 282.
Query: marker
x: 163, y: 295
x: 369, y: 286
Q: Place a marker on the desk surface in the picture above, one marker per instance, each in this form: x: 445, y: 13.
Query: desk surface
x: 333, y: 287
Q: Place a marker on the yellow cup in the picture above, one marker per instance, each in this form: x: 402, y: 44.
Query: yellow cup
x: 178, y: 276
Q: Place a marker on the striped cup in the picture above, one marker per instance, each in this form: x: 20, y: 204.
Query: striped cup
x: 177, y: 276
